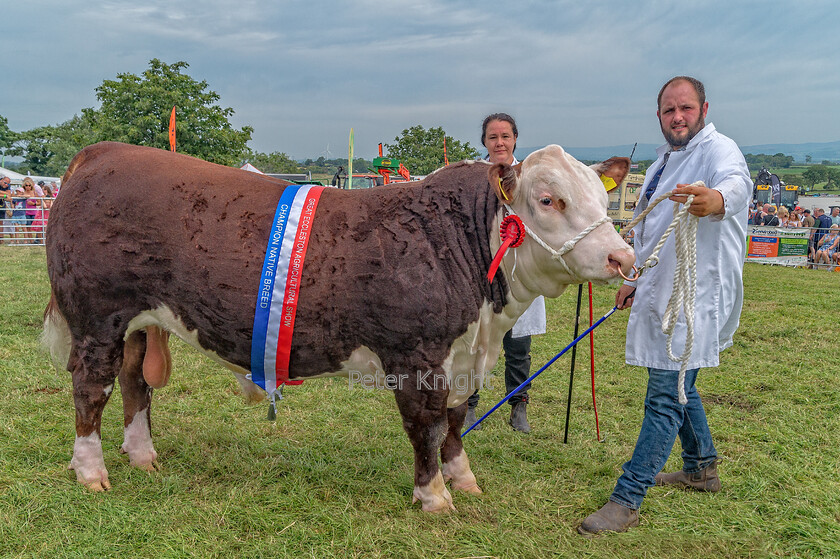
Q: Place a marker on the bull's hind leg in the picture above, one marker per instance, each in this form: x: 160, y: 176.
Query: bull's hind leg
x: 137, y: 400
x: 94, y: 367
x: 423, y: 410
x: 456, y: 465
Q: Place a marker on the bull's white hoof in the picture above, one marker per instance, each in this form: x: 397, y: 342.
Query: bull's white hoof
x: 89, y: 464
x: 458, y: 472
x: 434, y: 496
x: 95, y: 480
x: 138, y: 443
x: 471, y: 488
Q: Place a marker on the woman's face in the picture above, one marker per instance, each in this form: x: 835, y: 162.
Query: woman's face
x: 500, y: 141
x: 28, y: 185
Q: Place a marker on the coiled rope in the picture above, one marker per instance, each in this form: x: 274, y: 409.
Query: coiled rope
x: 684, y: 291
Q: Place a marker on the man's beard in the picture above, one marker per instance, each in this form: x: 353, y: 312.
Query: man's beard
x: 679, y: 142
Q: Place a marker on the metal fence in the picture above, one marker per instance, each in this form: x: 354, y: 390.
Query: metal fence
x: 22, y: 226
x: 777, y: 246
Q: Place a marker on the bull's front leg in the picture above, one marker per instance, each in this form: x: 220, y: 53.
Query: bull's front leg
x: 456, y: 465
x: 137, y: 402
x: 94, y: 370
x: 422, y: 403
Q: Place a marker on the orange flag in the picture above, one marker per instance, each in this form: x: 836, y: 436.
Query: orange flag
x: 172, y: 130
x: 445, y: 158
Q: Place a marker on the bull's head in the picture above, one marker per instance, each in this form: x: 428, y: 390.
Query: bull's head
x: 558, y: 198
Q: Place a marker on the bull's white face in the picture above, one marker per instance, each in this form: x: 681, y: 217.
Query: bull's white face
x: 557, y: 197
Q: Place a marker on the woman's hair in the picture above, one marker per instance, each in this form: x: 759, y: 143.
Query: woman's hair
x: 783, y: 211
x: 29, y: 181
x: 498, y: 116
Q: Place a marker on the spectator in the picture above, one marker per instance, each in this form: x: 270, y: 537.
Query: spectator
x: 19, y: 210
x: 808, y: 221
x: 823, y: 222
x: 771, y: 219
x: 794, y: 220
x: 758, y: 219
x: 783, y: 216
x: 6, y: 208
x: 40, y: 222
x: 827, y: 246
x: 835, y: 215
x: 31, y: 203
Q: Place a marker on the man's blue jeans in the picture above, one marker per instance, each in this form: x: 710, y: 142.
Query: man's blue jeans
x: 665, y: 418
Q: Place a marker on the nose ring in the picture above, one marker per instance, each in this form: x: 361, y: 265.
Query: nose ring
x: 634, y: 278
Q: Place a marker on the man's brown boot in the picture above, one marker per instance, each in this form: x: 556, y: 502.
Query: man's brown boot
x: 704, y: 480
x: 612, y: 517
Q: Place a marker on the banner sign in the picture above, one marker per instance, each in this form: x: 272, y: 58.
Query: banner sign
x: 778, y: 245
x: 277, y: 296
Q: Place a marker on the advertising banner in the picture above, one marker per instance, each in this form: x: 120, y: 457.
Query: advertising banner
x: 778, y: 245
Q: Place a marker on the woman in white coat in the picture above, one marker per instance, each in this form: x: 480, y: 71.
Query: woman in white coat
x: 498, y: 134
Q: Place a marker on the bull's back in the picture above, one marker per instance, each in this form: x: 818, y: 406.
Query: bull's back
x: 138, y: 228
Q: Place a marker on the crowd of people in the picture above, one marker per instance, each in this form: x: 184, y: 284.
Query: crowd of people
x: 24, y: 210
x: 824, y: 239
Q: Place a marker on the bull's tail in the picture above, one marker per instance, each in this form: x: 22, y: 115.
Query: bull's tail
x: 56, y: 336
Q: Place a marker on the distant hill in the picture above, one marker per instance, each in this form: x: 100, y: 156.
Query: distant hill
x: 818, y: 151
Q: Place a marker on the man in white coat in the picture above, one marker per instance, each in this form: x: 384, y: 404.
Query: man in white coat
x: 694, y: 151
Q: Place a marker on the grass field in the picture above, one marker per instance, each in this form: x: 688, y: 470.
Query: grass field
x: 333, y: 476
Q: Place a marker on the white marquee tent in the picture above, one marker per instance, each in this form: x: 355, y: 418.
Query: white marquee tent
x: 17, y: 178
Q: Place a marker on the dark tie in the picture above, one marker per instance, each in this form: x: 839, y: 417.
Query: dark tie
x: 654, y: 182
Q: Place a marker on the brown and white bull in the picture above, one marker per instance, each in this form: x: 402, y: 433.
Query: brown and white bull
x: 143, y: 242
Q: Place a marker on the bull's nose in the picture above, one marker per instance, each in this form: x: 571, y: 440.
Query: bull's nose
x: 622, y: 259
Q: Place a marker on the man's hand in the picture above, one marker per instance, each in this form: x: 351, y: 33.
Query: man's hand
x: 626, y: 292
x: 707, y: 201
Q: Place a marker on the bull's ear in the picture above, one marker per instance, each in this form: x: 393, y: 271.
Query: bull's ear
x: 503, y: 180
x: 615, y: 168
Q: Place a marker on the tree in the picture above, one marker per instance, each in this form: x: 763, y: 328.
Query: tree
x: 7, y: 137
x: 833, y: 178
x: 422, y: 150
x: 136, y: 109
x: 47, y: 150
x: 274, y: 162
x: 814, y: 174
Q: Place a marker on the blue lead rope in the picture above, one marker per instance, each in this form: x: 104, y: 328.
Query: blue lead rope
x: 544, y: 367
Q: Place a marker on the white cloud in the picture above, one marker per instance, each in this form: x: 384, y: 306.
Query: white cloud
x: 578, y: 73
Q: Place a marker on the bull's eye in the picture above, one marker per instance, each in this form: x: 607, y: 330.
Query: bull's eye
x: 545, y: 201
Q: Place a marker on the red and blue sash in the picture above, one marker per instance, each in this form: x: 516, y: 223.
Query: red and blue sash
x: 279, y: 288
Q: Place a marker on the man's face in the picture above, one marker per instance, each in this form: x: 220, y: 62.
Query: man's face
x: 835, y: 212
x: 681, y: 116
x: 4, y: 183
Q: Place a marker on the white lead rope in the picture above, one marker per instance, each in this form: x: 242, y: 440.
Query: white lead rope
x: 684, y: 291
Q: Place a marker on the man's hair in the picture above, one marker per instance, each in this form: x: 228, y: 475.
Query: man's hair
x: 498, y: 116
x: 695, y: 83
x: 806, y: 211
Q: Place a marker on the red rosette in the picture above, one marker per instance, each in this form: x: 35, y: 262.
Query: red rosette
x: 512, y: 232
x: 512, y: 228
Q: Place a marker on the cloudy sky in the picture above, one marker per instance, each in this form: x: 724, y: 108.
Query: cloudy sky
x: 302, y: 73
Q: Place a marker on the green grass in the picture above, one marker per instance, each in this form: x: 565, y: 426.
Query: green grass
x: 333, y: 476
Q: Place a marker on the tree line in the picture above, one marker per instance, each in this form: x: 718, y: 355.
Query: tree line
x: 135, y: 109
